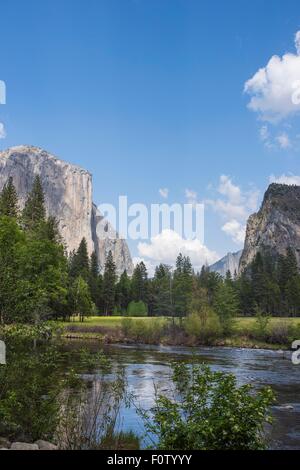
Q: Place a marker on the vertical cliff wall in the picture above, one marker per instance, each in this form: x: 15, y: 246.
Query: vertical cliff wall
x: 276, y: 226
x: 68, y: 197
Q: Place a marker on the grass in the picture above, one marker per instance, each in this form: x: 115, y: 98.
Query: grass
x: 241, y: 323
x: 109, y: 322
x: 280, y: 332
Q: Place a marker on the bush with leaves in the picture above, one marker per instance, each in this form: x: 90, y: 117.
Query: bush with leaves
x: 208, y: 411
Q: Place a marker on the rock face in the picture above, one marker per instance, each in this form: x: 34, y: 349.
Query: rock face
x: 68, y: 197
x: 230, y: 262
x: 276, y: 226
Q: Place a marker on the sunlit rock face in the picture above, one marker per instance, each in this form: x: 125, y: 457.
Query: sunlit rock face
x: 68, y: 197
x: 276, y: 226
x: 230, y: 263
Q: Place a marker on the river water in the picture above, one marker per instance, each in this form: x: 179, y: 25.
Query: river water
x: 147, y: 367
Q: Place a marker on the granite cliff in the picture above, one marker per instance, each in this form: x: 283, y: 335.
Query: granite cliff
x: 230, y: 262
x: 68, y: 197
x: 276, y: 226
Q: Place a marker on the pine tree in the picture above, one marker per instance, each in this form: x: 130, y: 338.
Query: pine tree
x: 79, y: 264
x: 95, y: 288
x: 34, y: 212
x: 109, y: 284
x: 182, y: 285
x: 139, y: 283
x: 9, y: 200
x: 162, y: 291
x: 226, y: 306
x: 123, y: 291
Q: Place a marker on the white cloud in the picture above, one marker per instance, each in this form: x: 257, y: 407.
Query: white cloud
x: 285, y: 179
x: 164, y: 192
x: 229, y: 190
x: 2, y: 131
x: 165, y: 247
x: 235, y: 230
x: 191, y: 196
x: 234, y: 206
x: 273, y: 88
x: 283, y: 140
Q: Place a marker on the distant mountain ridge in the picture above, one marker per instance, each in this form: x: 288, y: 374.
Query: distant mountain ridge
x: 230, y: 262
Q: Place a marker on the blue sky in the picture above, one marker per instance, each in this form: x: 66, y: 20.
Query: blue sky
x: 148, y: 94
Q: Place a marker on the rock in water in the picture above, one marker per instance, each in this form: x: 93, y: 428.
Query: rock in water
x: 276, y: 226
x: 68, y: 197
x: 230, y: 262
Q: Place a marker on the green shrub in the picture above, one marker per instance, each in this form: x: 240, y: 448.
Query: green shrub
x: 149, y: 332
x: 137, y: 309
x: 203, y: 326
x: 208, y: 412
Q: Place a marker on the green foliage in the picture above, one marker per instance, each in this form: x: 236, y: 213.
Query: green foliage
x: 137, y: 309
x: 123, y: 289
x: 182, y: 285
x: 29, y: 388
x: 80, y: 299
x: 9, y: 200
x: 34, y: 211
x: 150, y: 332
x: 79, y: 262
x: 226, y: 306
x: 210, y: 412
x: 109, y: 285
x: 262, y: 322
x: 139, y: 283
x: 162, y: 296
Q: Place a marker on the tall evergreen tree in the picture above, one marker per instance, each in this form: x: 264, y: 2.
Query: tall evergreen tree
x: 79, y: 262
x: 162, y: 291
x: 123, y: 289
x: 34, y: 212
x: 109, y: 285
x: 94, y: 284
x: 9, y: 200
x: 182, y: 285
x: 139, y: 283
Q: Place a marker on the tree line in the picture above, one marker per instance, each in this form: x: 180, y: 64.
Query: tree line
x: 39, y: 279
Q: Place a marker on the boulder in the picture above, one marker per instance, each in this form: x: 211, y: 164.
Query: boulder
x: 44, y: 445
x: 24, y: 446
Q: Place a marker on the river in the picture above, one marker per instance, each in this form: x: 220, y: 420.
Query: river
x: 148, y: 366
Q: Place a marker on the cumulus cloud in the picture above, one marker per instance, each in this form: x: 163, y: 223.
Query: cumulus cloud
x: 289, y: 179
x: 164, y: 192
x: 234, y: 206
x: 165, y: 247
x: 235, y: 230
x: 275, y: 88
x: 2, y: 131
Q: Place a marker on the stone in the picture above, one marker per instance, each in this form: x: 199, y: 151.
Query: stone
x: 24, y: 446
x: 5, y: 442
x: 68, y: 197
x: 44, y: 445
x: 275, y: 227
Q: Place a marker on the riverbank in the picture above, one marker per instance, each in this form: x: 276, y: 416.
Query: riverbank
x: 279, y: 333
